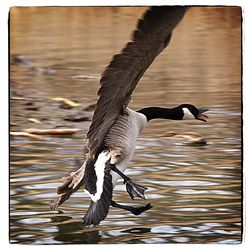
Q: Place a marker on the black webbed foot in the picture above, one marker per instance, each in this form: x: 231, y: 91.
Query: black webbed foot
x: 133, y: 210
x: 133, y: 189
x: 139, y: 210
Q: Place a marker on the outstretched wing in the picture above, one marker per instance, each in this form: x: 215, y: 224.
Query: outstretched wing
x: 118, y: 81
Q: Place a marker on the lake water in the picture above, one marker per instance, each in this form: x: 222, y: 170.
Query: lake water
x: 195, y: 190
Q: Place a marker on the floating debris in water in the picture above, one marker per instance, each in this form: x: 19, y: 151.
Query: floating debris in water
x: 66, y: 131
x: 26, y: 134
x: 34, y: 120
x: 190, y: 138
x: 79, y: 116
x: 13, y: 124
x: 31, y: 106
x: 85, y: 77
x: 69, y: 103
x: 22, y: 60
x: 19, y: 59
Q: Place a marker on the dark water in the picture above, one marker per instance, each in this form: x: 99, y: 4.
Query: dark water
x: 195, y: 190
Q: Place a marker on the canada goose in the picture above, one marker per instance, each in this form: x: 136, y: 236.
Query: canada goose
x: 113, y: 132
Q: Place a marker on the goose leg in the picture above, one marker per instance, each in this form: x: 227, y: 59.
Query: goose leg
x: 133, y: 189
x: 133, y: 210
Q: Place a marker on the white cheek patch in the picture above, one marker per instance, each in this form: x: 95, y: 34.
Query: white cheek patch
x: 187, y: 114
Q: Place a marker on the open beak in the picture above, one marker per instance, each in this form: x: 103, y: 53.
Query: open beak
x: 201, y: 116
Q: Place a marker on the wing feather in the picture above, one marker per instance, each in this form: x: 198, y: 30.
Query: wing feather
x: 121, y: 76
x: 98, y: 210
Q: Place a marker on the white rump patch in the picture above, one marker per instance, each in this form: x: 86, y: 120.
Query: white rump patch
x: 187, y: 114
x: 99, y: 170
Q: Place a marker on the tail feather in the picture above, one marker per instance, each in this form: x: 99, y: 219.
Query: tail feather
x: 98, y: 210
x: 54, y: 204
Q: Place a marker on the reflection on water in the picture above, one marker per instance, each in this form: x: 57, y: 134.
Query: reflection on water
x: 195, y: 190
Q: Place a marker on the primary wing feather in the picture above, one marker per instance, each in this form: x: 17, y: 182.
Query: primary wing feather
x: 121, y: 76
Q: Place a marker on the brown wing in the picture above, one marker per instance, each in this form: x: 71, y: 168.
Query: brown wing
x: 121, y: 76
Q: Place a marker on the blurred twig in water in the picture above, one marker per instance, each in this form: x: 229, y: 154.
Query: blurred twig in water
x: 66, y: 131
x: 68, y: 102
x: 26, y: 134
x: 34, y: 120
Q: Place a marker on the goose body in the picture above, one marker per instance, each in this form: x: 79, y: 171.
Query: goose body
x: 113, y: 133
x: 122, y: 139
x: 120, y: 144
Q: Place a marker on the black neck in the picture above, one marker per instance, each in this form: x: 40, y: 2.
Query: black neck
x: 162, y: 113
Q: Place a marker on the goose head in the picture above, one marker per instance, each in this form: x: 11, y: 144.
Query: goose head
x: 189, y: 111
